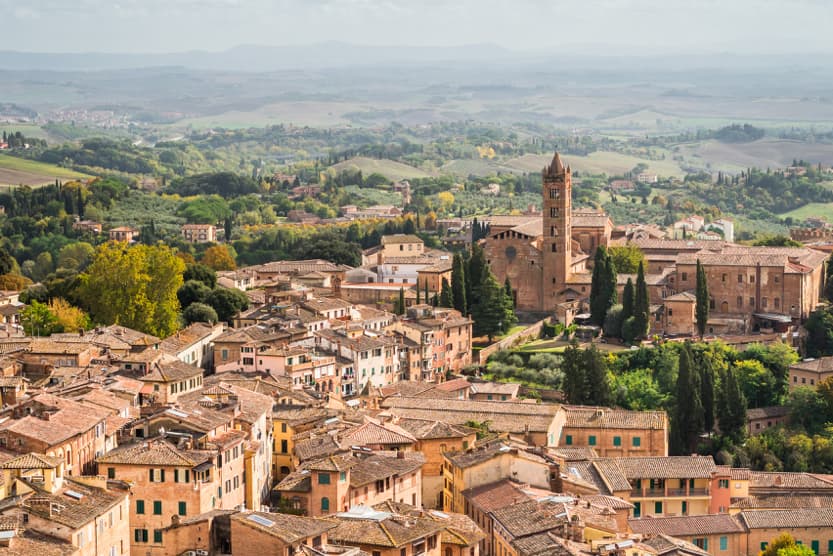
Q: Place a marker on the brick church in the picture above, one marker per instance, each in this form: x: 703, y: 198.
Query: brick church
x: 547, y: 257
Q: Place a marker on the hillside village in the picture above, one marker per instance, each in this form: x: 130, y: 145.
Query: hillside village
x: 344, y: 411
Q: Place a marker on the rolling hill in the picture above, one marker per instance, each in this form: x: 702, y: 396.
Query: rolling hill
x: 20, y: 171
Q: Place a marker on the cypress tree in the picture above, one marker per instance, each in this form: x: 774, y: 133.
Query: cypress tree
x: 574, y: 384
x: 688, y: 415
x: 828, y: 281
x: 418, y: 300
x: 425, y: 290
x: 507, y: 288
x: 446, y: 297
x: 627, y: 300
x: 458, y: 284
x: 706, y: 378
x: 476, y: 271
x: 598, y: 287
x: 641, y: 303
x: 400, y: 303
x: 701, y: 309
x: 489, y: 313
x: 595, y: 371
x: 731, y: 407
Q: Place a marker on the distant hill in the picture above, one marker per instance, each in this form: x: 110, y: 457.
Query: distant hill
x: 255, y: 58
x: 392, y: 170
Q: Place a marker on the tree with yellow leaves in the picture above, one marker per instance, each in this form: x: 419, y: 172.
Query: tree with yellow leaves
x: 68, y: 317
x: 219, y: 257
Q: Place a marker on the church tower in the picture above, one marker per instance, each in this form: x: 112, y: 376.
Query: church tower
x: 556, y: 244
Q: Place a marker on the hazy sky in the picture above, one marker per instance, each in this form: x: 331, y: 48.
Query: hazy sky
x: 744, y: 26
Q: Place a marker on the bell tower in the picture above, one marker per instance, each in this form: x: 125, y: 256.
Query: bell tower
x: 556, y: 243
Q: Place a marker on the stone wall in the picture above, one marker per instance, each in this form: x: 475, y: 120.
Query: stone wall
x: 522, y: 336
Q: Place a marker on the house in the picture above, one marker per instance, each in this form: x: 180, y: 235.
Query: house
x: 494, y: 391
x: 275, y: 534
x: 810, y: 372
x: 124, y: 233
x: 760, y: 419
x: 199, y: 233
x: 288, y: 420
x: 719, y: 534
x: 193, y: 344
x: 87, y: 226
x: 373, y: 360
x: 167, y: 380
x: 387, y: 534
x: 81, y: 512
x: 438, y: 341
x: 342, y: 481
x: 170, y: 480
x: 616, y: 432
x: 811, y: 527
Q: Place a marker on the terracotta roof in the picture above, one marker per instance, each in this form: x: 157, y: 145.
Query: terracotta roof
x: 428, y: 429
x: 787, y: 519
x: 187, y: 337
x: 574, y: 453
x: 549, y: 544
x: 497, y: 388
x: 453, y: 385
x: 606, y: 418
x: 377, y: 467
x: 514, y: 417
x: 686, y: 526
x: 484, y: 453
x: 391, y: 531
x: 32, y: 461
x: 287, y: 527
x: 400, y: 238
x: 529, y: 517
x: 786, y: 481
x: 74, y: 512
x: 783, y: 502
x: 376, y: 433
x: 171, y: 371
x: 819, y: 365
x: 493, y: 496
x: 29, y: 542
x: 673, y: 467
x: 316, y: 447
x: 767, y: 412
x: 665, y: 545
x: 613, y: 502
x: 155, y: 453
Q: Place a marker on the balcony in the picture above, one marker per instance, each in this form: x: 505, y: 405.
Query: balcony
x: 698, y: 492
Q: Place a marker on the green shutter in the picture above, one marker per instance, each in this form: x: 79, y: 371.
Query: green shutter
x: 183, y: 508
x: 636, y: 442
x: 617, y: 440
x: 657, y: 507
x: 724, y: 543
x: 706, y: 543
x: 157, y: 507
x: 150, y: 475
x: 592, y: 440
x: 140, y: 507
x: 176, y: 475
x: 815, y: 546
x: 569, y: 440
x: 161, y: 475
x: 111, y: 472
x: 157, y: 535
x: 137, y: 535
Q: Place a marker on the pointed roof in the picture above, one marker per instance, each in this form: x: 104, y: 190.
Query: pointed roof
x: 32, y: 461
x: 556, y: 167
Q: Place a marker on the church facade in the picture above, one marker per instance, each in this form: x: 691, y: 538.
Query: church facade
x: 546, y: 260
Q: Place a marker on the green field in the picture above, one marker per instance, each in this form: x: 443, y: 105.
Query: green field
x: 20, y: 171
x: 28, y: 130
x: 598, y: 163
x: 390, y: 169
x: 820, y: 210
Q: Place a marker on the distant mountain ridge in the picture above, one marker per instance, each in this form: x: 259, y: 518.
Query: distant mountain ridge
x: 255, y: 57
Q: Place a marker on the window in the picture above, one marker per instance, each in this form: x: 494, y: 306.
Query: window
x: 284, y: 446
x: 723, y: 278
x: 323, y: 478
x: 711, y: 303
x: 283, y: 427
x: 553, y: 212
x: 111, y: 472
x: 763, y: 302
x: 684, y: 507
x: 657, y: 507
x: 684, y: 277
x: 183, y: 508
x: 764, y: 545
x: 637, y: 509
x: 776, y: 279
x: 342, y: 476
x: 740, y: 278
x: 157, y: 507
x: 814, y: 545
x: 140, y: 507
x: 617, y: 440
x: 592, y: 440
x: 569, y: 440
x: 724, y: 543
x: 156, y: 475
x: 723, y: 483
x: 157, y: 535
x: 740, y: 302
x: 776, y: 303
x: 140, y: 535
x: 637, y: 442
x: 325, y: 504
x: 751, y: 301
x: 554, y: 193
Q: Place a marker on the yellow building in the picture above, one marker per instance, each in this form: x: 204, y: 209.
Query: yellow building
x: 287, y: 421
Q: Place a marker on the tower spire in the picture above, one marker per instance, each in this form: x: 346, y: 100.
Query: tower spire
x: 556, y: 167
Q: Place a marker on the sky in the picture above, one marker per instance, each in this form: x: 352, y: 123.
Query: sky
x: 593, y: 26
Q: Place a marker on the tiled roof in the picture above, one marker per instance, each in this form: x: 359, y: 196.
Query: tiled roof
x: 453, y: 385
x: 497, y: 388
x: 493, y: 496
x: 787, y: 519
x: 376, y: 433
x: 317, y: 447
x: 783, y: 502
x: 529, y: 517
x: 590, y: 219
x: 673, y: 467
x: 400, y: 238
x: 484, y: 453
x: 428, y: 429
x: 574, y: 453
x: 514, y: 417
x: 29, y: 542
x: 606, y: 418
x: 377, y: 467
x: 75, y: 513
x: 155, y: 453
x: 665, y: 545
x: 686, y: 526
x: 548, y: 544
x: 287, y: 527
x: 171, y: 371
x: 394, y: 531
x: 32, y: 461
x: 767, y: 412
x: 187, y: 337
x: 819, y: 365
x: 785, y: 480
x: 612, y: 502
x: 298, y: 267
